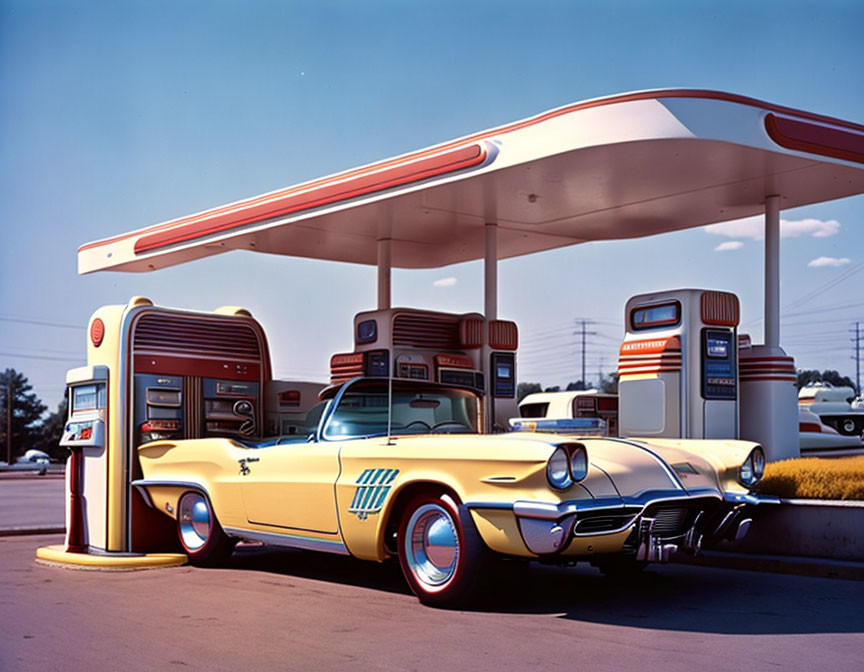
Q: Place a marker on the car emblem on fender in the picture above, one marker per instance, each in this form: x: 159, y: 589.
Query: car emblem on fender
x: 372, y: 488
x: 684, y: 468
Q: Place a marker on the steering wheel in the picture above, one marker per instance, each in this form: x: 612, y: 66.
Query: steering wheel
x: 453, y: 423
x: 418, y: 422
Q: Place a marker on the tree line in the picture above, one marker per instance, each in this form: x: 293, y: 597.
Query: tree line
x: 23, y: 412
x: 606, y: 384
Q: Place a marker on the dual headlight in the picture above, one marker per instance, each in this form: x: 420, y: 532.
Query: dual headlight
x: 754, y: 466
x: 568, y: 465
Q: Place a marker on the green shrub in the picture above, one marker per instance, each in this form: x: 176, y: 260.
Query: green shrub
x: 815, y: 478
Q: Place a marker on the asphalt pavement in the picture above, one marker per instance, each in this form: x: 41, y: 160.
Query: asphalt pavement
x: 290, y: 610
x: 29, y: 501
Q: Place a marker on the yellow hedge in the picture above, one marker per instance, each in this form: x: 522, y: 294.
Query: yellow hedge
x: 815, y: 478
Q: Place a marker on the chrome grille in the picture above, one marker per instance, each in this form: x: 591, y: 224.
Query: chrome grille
x: 668, y: 521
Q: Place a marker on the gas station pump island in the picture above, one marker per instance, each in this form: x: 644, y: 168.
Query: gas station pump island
x: 626, y: 166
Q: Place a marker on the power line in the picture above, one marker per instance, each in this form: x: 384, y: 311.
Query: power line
x: 52, y: 359
x: 41, y: 323
x: 566, y: 327
x: 836, y: 280
x: 819, y: 290
x: 51, y: 351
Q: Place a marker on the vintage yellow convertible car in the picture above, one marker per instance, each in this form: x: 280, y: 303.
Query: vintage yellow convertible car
x: 400, y: 470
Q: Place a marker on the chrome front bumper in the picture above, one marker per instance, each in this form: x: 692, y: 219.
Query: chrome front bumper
x: 548, y: 527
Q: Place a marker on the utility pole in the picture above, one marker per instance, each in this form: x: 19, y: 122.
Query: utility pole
x: 600, y: 374
x: 584, y: 334
x: 9, y: 420
x: 583, y: 355
x: 857, y: 340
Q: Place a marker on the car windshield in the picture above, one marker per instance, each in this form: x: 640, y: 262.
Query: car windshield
x: 363, y: 412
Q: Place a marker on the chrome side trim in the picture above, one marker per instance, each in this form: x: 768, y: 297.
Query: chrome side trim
x: 704, y: 492
x: 141, y: 486
x: 289, y: 540
x: 503, y: 506
x: 750, y: 498
x: 499, y: 479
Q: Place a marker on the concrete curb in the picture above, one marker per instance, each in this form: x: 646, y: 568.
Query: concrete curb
x: 777, y: 564
x: 805, y: 528
x: 23, y: 531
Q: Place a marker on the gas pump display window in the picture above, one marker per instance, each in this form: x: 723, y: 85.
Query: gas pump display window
x: 503, y: 379
x: 163, y: 397
x: 88, y: 398
x: 655, y: 317
x: 717, y: 348
x: 719, y: 375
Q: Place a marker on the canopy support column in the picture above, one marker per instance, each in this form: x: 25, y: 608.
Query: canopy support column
x: 768, y: 402
x: 490, y: 311
x: 384, y: 267
x: 772, y: 271
x: 490, y: 272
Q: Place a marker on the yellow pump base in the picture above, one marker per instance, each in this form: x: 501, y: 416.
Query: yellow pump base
x: 58, y: 556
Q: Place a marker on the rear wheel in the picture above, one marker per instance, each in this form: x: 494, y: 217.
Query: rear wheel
x: 201, y: 535
x: 440, y: 551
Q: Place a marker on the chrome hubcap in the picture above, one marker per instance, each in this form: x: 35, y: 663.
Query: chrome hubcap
x: 432, y: 545
x: 194, y: 517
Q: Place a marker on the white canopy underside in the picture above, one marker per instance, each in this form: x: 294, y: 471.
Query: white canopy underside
x: 624, y: 167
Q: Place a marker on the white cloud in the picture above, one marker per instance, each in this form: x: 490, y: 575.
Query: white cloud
x: 445, y: 282
x: 751, y: 227
x: 729, y: 245
x: 813, y: 227
x: 754, y: 227
x: 832, y: 262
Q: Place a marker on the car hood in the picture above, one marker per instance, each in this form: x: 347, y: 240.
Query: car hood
x: 617, y: 467
x: 635, y: 467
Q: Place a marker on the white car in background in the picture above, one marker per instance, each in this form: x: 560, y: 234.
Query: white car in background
x: 572, y: 404
x: 819, y: 438
x: 816, y: 436
x: 32, y: 460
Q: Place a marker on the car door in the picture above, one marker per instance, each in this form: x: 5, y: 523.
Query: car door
x: 291, y: 486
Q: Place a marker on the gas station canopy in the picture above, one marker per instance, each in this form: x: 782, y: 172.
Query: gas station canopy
x: 620, y: 167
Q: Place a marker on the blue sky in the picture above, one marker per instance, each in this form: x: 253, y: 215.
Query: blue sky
x: 115, y: 116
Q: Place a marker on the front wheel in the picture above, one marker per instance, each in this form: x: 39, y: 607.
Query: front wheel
x: 440, y: 551
x: 201, y: 535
